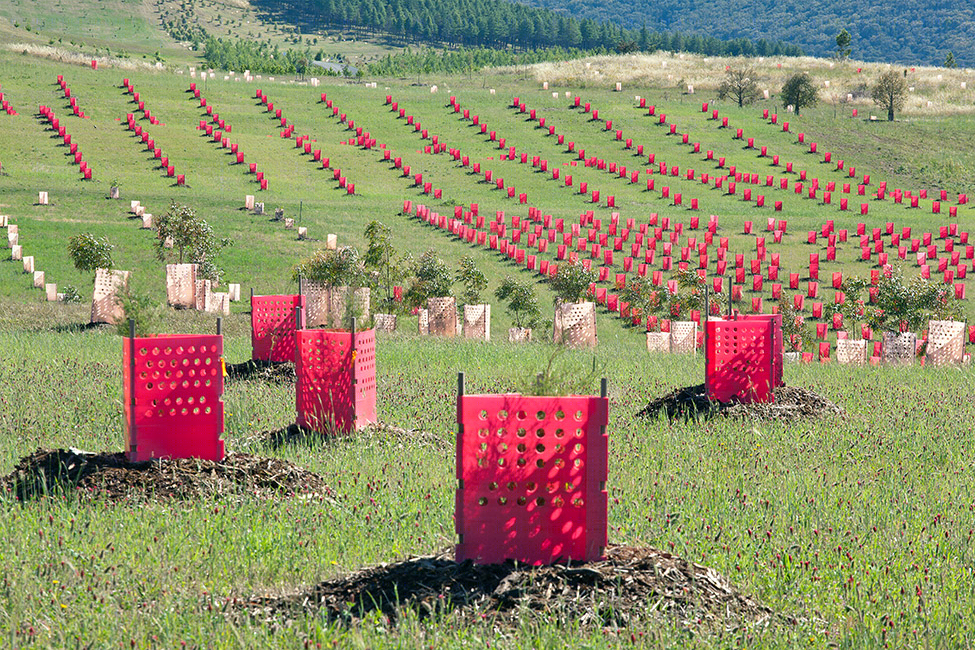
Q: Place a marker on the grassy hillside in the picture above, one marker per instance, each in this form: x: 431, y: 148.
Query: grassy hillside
x: 34, y: 160
x: 854, y: 530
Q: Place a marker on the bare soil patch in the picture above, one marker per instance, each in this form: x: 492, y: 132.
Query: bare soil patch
x: 792, y: 403
x: 113, y: 477
x: 629, y: 586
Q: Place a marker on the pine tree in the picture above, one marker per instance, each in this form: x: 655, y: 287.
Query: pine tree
x: 843, y: 41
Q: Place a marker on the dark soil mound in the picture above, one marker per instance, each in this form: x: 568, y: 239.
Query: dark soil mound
x: 630, y: 585
x: 791, y: 403
x: 293, y: 434
x: 256, y: 370
x: 111, y: 476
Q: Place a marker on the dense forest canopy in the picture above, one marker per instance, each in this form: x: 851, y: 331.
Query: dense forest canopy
x: 897, y: 31
x: 478, y: 25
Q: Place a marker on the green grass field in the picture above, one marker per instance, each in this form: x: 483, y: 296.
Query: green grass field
x: 34, y: 160
x: 858, y: 527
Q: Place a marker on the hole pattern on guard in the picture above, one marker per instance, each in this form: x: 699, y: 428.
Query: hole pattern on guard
x: 683, y: 337
x: 575, y: 325
x: 181, y: 285
x: 442, y: 316
x: 532, y: 474
x: 851, y: 352
x: 946, y: 343
x: 899, y: 347
x: 336, y: 381
x: 104, y: 302
x: 273, y: 327
x: 173, y: 403
x: 744, y: 359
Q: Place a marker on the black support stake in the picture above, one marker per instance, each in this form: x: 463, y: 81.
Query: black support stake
x: 131, y: 382
x: 729, y: 297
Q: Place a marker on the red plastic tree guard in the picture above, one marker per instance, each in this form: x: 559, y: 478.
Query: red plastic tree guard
x: 336, y: 379
x: 273, y: 327
x: 531, y: 477
x: 173, y: 388
x: 744, y: 358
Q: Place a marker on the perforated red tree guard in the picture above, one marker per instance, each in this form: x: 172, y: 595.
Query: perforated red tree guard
x: 273, y: 327
x: 173, y: 388
x: 744, y: 359
x: 336, y: 379
x: 532, y: 478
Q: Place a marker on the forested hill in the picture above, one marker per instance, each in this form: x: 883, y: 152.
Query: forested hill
x: 499, y: 24
x: 899, y: 31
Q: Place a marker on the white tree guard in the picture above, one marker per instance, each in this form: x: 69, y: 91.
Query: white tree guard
x: 900, y: 348
x: 385, y: 322
x: 317, y: 304
x: 946, y: 343
x: 851, y: 352
x: 204, y: 295
x: 336, y: 306
x: 181, y: 285
x: 575, y: 325
x: 658, y: 342
x: 519, y: 335
x: 477, y: 322
x: 442, y: 314
x: 105, y: 306
x: 683, y: 337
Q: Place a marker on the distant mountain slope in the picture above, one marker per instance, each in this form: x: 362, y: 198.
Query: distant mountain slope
x: 904, y: 32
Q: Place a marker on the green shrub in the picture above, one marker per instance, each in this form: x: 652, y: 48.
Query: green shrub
x: 473, y: 280
x: 431, y: 279
x: 88, y: 252
x: 193, y: 240
x: 571, y: 282
x: 139, y: 308
x: 332, y: 268
x: 522, y: 302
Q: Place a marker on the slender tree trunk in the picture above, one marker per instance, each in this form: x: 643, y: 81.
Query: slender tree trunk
x: 890, y: 113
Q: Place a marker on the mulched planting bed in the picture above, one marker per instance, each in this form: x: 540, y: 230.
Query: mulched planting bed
x: 631, y: 585
x: 111, y: 476
x: 387, y: 433
x: 256, y: 370
x: 791, y: 403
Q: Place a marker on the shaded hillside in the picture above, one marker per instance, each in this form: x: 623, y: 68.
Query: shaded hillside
x: 485, y: 23
x: 899, y: 32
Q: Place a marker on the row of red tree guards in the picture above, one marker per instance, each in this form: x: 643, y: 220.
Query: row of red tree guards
x: 531, y: 471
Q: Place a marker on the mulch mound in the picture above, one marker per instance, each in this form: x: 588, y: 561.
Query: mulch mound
x: 791, y: 403
x: 257, y: 370
x: 111, y: 476
x: 631, y: 585
x: 378, y: 432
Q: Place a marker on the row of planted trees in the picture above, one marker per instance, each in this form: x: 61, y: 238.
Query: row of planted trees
x: 181, y: 236
x: 895, y: 304
x: 399, y: 284
x: 402, y: 283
